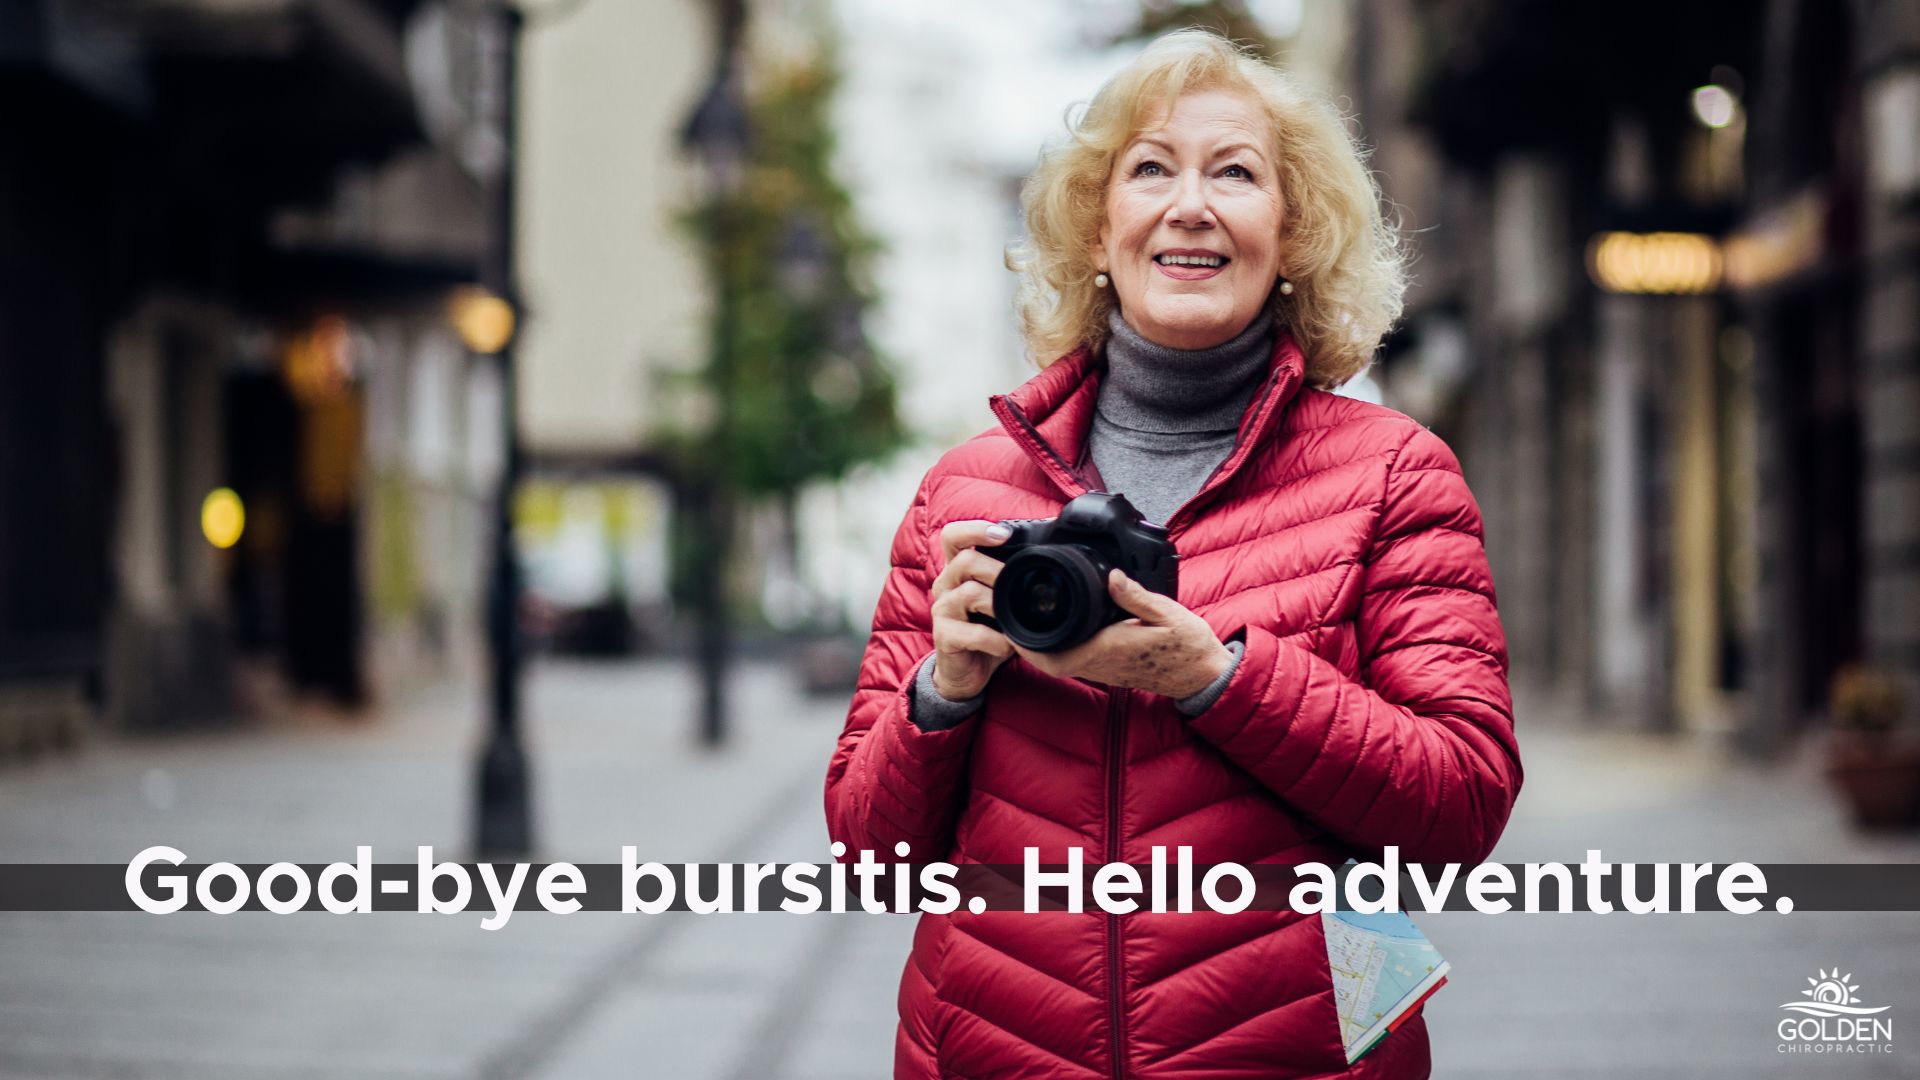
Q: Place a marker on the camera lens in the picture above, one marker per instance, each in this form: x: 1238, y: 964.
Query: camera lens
x: 1043, y: 602
x: 1051, y: 597
x: 1046, y: 599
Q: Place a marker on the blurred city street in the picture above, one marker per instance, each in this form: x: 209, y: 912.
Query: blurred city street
x: 784, y: 997
x: 486, y: 424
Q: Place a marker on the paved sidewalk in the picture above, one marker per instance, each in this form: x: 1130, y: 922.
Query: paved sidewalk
x: 1698, y: 996
x: 396, y: 995
x: 779, y: 997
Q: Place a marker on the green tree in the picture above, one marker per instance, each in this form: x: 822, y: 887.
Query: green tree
x: 794, y: 392
x: 799, y: 395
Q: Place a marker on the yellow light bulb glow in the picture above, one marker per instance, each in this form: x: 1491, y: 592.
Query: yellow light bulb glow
x: 318, y: 363
x: 222, y: 518
x: 1668, y: 263
x: 485, y: 322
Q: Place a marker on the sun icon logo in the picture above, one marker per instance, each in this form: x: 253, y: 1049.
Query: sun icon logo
x: 1832, y: 988
x: 1833, y: 994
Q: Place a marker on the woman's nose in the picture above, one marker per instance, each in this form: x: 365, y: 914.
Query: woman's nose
x: 1189, y: 209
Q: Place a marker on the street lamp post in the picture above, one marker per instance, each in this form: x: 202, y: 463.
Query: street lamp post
x: 505, y: 826
x: 717, y: 134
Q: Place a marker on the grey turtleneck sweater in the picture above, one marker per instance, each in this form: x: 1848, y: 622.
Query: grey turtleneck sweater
x: 1165, y: 421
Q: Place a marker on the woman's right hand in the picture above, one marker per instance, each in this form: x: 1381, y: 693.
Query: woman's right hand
x: 966, y: 654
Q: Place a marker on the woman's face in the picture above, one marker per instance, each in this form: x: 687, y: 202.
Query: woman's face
x: 1192, y: 234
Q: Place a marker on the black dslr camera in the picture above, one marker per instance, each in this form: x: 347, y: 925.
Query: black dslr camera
x: 1052, y: 593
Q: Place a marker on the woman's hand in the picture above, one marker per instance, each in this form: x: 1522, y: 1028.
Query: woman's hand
x: 966, y: 654
x: 1164, y: 648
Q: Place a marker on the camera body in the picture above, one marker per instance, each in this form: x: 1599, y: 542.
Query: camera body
x: 1052, y: 593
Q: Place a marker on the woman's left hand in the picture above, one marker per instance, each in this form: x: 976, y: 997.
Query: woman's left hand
x: 1164, y: 648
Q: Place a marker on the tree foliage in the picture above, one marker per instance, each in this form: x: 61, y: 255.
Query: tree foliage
x: 796, y: 392
x: 1228, y: 17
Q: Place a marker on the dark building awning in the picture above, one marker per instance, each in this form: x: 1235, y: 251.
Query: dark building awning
x: 1497, y: 75
x: 259, y: 100
x: 295, y: 282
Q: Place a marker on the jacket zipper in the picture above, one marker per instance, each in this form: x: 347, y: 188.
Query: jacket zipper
x: 1072, y: 484
x: 1116, y: 769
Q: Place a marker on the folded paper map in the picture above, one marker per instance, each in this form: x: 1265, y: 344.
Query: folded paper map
x: 1383, y: 968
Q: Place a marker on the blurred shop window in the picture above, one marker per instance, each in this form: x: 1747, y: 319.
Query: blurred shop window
x: 430, y: 406
x: 485, y: 443
x: 596, y: 560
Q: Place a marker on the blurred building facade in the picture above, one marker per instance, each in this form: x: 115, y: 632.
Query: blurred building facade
x: 1700, y: 467
x: 620, y: 302
x: 615, y: 298
x: 243, y: 449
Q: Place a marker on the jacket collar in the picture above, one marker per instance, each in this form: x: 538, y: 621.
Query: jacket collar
x: 1048, y: 416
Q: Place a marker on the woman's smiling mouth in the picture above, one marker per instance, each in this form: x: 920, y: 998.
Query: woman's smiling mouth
x: 1190, y: 265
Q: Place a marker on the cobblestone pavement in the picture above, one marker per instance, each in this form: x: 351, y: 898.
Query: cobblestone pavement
x: 782, y: 997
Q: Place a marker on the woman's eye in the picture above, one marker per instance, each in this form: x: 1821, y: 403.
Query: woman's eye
x: 1240, y: 171
x: 1149, y: 168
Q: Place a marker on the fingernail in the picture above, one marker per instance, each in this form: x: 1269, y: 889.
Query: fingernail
x: 998, y: 532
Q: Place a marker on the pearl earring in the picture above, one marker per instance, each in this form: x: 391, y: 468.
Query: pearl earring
x: 1286, y: 287
x: 1100, y: 281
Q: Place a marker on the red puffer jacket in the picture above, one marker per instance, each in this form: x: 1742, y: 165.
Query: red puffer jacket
x: 1370, y: 709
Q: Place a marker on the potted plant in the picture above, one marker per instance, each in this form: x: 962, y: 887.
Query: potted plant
x: 1871, y: 762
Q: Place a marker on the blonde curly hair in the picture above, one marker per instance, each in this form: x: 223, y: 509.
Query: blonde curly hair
x: 1343, y: 257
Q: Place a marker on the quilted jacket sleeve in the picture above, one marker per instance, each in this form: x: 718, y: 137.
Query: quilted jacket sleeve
x: 890, y: 781
x: 1422, y: 756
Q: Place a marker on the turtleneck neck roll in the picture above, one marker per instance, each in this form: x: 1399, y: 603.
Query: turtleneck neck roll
x: 1151, y: 387
x: 1166, y: 418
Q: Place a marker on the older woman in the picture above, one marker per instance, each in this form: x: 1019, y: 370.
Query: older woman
x: 1207, y: 256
